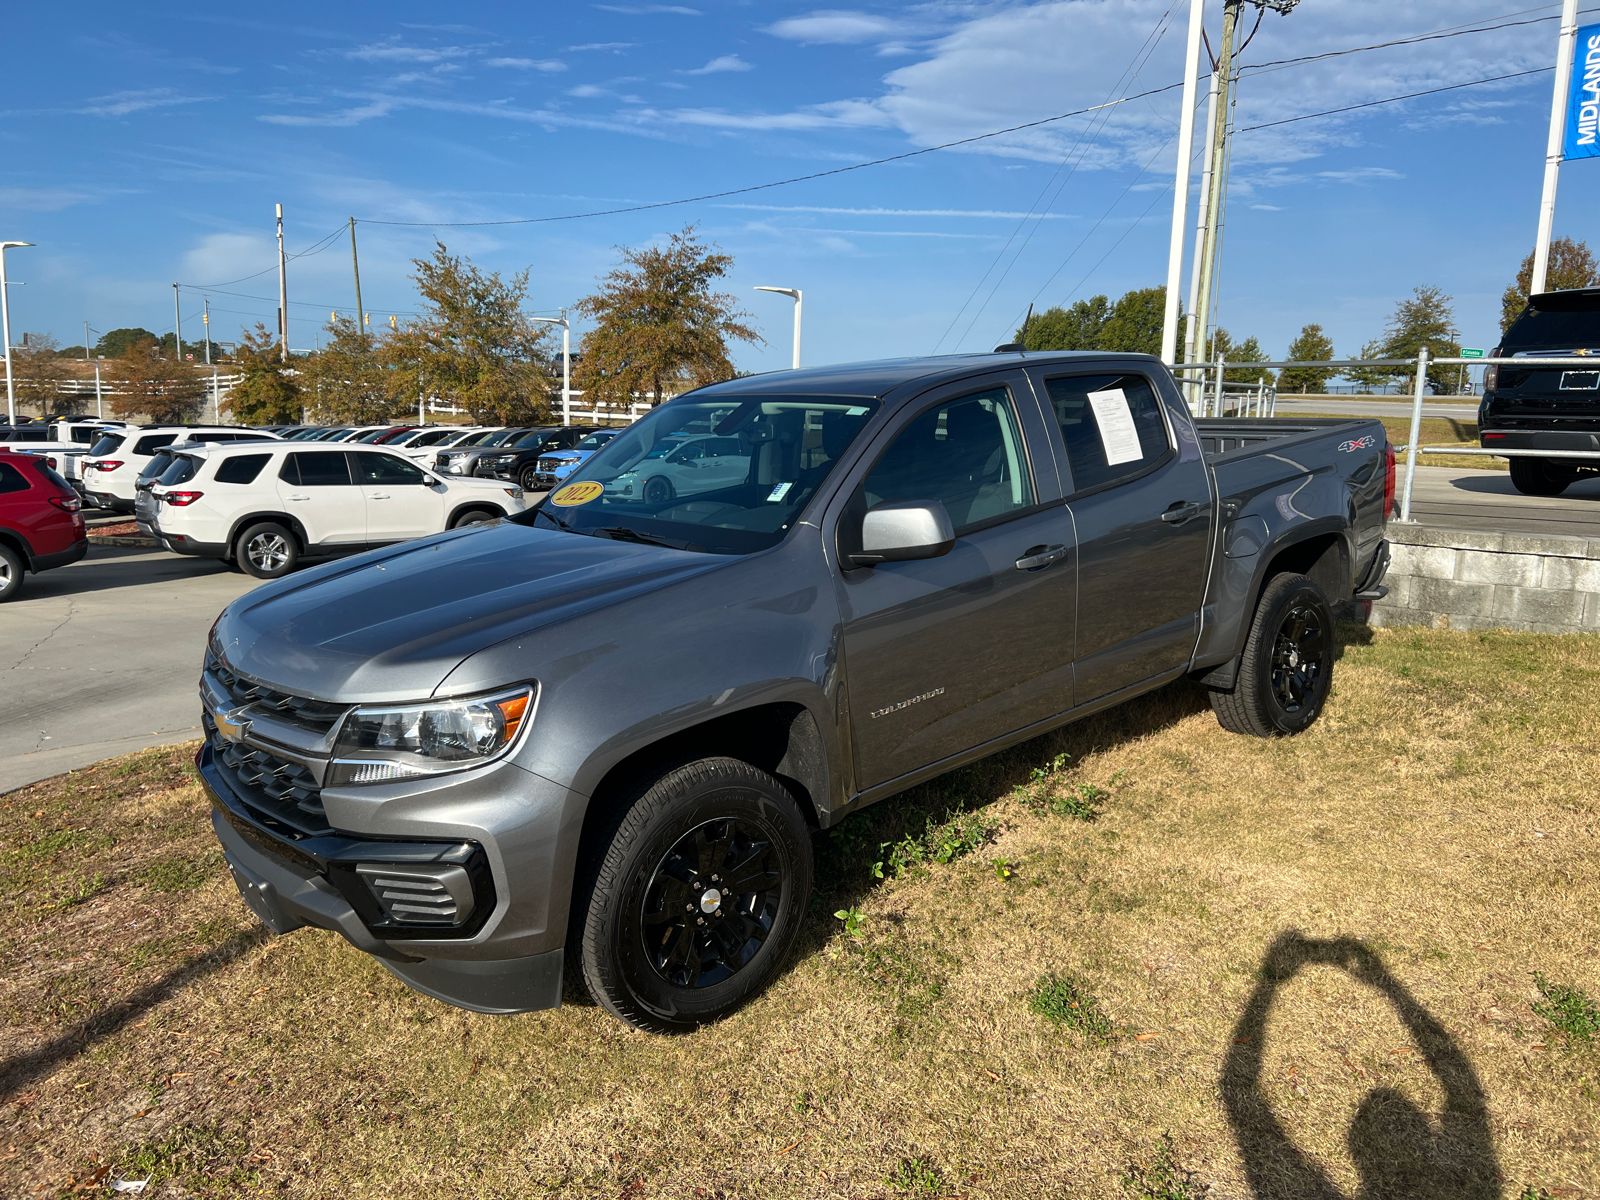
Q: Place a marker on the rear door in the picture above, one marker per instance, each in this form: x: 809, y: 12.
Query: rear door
x: 400, y: 502
x: 1141, y: 502
x: 317, y: 489
x: 945, y: 654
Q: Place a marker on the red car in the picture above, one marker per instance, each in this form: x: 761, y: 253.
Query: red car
x: 40, y: 525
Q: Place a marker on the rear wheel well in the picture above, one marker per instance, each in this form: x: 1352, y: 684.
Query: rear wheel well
x: 283, y: 519
x: 1321, y: 559
x: 16, y: 543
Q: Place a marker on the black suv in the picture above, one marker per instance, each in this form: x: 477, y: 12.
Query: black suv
x: 1546, y: 408
x: 519, y: 459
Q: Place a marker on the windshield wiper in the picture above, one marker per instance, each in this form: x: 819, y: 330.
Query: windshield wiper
x: 550, y: 516
x: 624, y: 533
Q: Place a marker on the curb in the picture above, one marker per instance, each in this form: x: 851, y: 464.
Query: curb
x: 133, y: 541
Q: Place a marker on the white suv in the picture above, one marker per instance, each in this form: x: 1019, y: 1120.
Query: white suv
x: 264, y: 506
x: 117, y: 458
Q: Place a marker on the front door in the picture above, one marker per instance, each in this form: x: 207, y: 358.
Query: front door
x: 400, y: 504
x: 317, y: 490
x: 945, y: 654
x: 1141, y: 503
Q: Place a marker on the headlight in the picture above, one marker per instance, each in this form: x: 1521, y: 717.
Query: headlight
x: 406, y: 741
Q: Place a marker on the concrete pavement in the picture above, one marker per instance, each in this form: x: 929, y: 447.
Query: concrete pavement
x: 1461, y: 498
x: 103, y: 657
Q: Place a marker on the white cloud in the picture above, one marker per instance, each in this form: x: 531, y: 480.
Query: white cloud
x: 336, y: 120
x: 634, y: 10
x: 393, y: 52
x: 852, y: 114
x: 529, y: 64
x: 41, y: 199
x: 587, y: 91
x: 835, y: 27
x: 120, y: 104
x: 613, y: 47
x: 890, y: 212
x: 725, y: 62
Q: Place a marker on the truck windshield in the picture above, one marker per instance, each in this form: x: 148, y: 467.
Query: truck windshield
x: 716, y: 476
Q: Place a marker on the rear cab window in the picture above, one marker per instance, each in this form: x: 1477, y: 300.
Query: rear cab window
x: 1112, y: 425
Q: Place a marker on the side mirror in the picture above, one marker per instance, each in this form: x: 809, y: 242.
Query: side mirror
x: 906, y: 530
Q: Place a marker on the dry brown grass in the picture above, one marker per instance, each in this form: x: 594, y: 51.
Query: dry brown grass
x: 1316, y: 954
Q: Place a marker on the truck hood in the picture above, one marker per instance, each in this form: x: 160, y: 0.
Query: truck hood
x: 391, y: 624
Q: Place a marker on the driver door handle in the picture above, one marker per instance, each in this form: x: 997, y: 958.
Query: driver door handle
x: 1036, y: 558
x: 1181, y: 511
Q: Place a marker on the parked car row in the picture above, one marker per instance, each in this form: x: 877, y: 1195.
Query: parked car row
x: 41, y: 522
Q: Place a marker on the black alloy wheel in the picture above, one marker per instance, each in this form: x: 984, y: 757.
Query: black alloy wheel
x: 691, y: 896
x: 529, y: 479
x: 1286, y: 670
x: 659, y: 490
x: 711, y: 903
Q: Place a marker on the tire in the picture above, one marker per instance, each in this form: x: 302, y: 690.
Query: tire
x: 476, y: 517
x: 1286, y: 670
x: 659, y: 490
x: 666, y: 848
x: 1540, y: 477
x: 11, y: 569
x: 528, y: 481
x: 267, y: 550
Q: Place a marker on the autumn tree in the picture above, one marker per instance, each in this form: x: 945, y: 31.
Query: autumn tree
x: 169, y: 393
x: 346, y: 382
x: 659, y: 328
x: 1571, y: 266
x: 268, y: 391
x: 1312, y: 345
x: 39, y: 371
x: 472, y: 345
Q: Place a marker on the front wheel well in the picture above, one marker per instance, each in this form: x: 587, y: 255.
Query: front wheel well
x: 473, y: 506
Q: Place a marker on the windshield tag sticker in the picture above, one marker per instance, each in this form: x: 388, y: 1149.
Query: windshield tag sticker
x: 861, y: 412
x: 577, y: 493
x: 779, y: 492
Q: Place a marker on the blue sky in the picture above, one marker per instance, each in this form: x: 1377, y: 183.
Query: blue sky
x: 147, y: 146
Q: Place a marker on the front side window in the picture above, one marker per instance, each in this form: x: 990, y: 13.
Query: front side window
x: 594, y: 441
x: 1112, y: 426
x: 775, y: 452
x: 386, y: 468
x: 966, y: 453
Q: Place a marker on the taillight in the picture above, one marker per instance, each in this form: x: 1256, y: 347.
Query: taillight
x: 104, y: 464
x: 50, y: 462
x: 1388, y: 480
x: 179, y: 499
x: 66, y: 503
x: 1491, y: 373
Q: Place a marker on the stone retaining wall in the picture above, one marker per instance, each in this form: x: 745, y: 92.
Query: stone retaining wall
x: 1463, y: 579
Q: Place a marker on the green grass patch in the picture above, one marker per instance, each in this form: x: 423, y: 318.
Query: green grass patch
x: 916, y: 1176
x: 1157, y: 1177
x: 1568, y: 1009
x: 1066, y: 1000
x: 180, y: 873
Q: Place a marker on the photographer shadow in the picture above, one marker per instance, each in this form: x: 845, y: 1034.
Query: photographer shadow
x: 1399, y: 1152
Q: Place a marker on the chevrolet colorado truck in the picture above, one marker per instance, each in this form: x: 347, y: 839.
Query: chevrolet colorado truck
x: 596, y: 738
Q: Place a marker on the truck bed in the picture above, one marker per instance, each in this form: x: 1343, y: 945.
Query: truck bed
x: 1230, y: 437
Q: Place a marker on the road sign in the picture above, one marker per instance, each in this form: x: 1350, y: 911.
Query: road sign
x: 1467, y: 353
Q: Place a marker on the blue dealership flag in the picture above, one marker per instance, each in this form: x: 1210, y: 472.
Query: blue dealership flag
x: 1583, y: 106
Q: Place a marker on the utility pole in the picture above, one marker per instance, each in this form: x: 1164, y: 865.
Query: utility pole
x: 86, y: 341
x: 1180, y: 186
x: 177, y: 328
x: 355, y: 264
x: 205, y: 319
x: 1552, y: 154
x: 5, y: 329
x: 1194, y: 337
x: 283, y: 295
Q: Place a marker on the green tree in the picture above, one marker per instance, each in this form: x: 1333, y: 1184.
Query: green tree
x: 267, y: 392
x: 1426, y: 319
x: 346, y: 382
x: 659, y: 327
x: 1222, y: 345
x: 1370, y: 379
x: 115, y: 344
x: 1313, y: 345
x: 169, y: 393
x: 39, y: 371
x: 472, y: 345
x: 1134, y: 326
x: 1074, y: 328
x: 1572, y: 265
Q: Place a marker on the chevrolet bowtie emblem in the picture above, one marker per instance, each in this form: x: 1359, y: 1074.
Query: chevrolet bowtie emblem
x: 230, y: 724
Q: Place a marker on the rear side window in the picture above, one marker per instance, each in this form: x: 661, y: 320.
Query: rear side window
x: 149, y: 445
x: 1111, y: 424
x: 241, y: 469
x: 11, y: 479
x: 84, y: 436
x: 316, y: 470
x: 158, y: 463
x: 108, y: 444
x: 180, y: 470
x: 386, y: 468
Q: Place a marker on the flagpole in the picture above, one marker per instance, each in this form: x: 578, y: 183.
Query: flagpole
x: 1552, y: 154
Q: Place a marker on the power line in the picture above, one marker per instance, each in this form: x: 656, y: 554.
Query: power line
x: 316, y: 247
x: 1454, y: 87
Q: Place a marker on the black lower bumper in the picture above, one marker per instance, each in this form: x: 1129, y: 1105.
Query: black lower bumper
x: 1540, y: 439
x: 179, y: 544
x: 63, y: 558
x: 288, y: 885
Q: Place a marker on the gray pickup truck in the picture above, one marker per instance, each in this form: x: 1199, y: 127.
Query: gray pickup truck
x: 597, y: 738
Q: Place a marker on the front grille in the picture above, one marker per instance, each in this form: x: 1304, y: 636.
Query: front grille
x: 549, y: 465
x: 317, y: 715
x: 284, y: 794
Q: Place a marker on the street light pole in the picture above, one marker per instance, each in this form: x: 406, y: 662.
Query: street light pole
x: 5, y: 329
x: 1552, y: 154
x: 1180, y: 187
x: 283, y: 295
x: 177, y: 327
x: 794, y: 294
x: 566, y: 362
